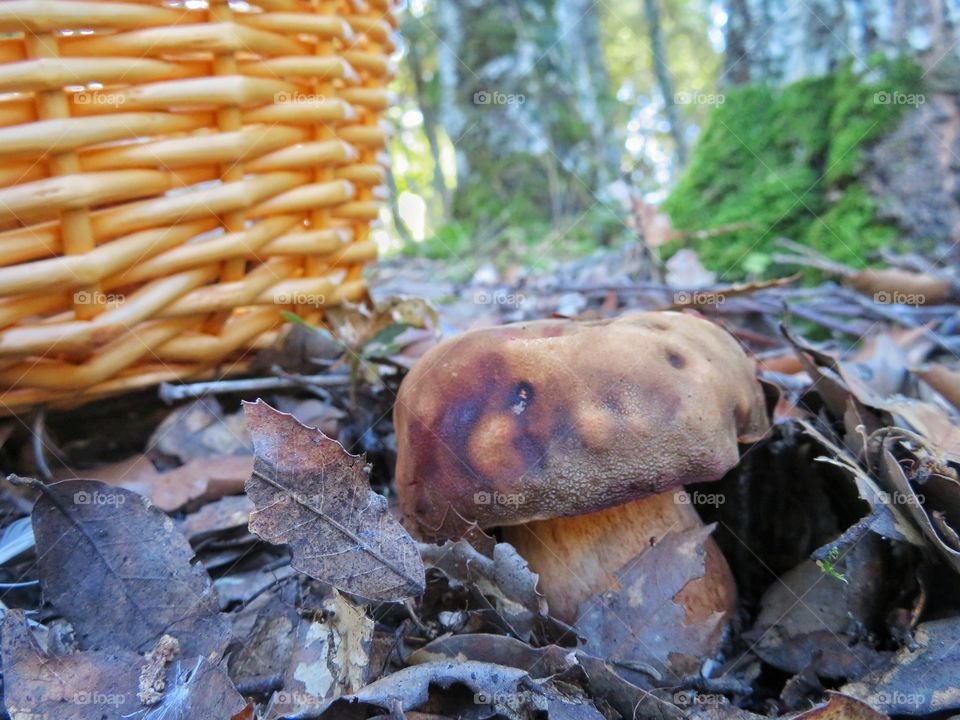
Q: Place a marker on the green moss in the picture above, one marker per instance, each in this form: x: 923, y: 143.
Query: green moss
x: 782, y: 163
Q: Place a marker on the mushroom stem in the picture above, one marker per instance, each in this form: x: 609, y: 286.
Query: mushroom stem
x: 578, y: 557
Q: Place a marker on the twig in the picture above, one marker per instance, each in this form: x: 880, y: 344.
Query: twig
x: 174, y: 393
x: 261, y: 685
x: 39, y: 454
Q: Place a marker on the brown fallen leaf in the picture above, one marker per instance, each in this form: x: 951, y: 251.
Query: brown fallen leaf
x: 507, y: 692
x: 313, y: 495
x: 83, y: 686
x: 888, y: 285
x: 944, y: 380
x: 640, y: 625
x: 227, y: 513
x: 203, y: 478
x: 118, y: 570
x: 502, y: 586
x: 200, y: 430
x: 198, y: 689
x: 816, y: 629
x: 540, y: 662
x: 917, y: 681
x: 840, y: 707
x: 552, y: 660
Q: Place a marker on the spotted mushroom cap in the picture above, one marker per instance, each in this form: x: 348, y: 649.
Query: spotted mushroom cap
x: 535, y: 420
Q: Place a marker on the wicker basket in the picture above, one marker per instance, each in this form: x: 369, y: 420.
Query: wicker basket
x: 175, y: 174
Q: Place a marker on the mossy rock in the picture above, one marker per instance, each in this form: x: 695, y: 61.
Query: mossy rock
x: 784, y: 162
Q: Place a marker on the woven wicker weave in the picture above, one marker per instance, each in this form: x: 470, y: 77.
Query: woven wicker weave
x: 173, y: 176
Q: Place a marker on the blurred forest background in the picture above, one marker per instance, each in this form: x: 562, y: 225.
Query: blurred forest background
x: 529, y: 132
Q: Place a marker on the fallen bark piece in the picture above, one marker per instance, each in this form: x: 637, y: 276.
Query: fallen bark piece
x: 152, y: 673
x: 313, y: 495
x: 330, y: 657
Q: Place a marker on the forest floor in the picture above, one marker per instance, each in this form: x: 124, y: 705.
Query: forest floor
x: 137, y: 584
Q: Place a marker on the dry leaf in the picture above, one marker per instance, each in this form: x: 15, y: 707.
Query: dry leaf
x: 203, y: 478
x: 118, y: 570
x: 313, y: 495
x: 639, y: 625
x: 82, y: 686
x: 918, y: 681
x: 816, y: 630
x: 499, y: 691
x: 502, y: 585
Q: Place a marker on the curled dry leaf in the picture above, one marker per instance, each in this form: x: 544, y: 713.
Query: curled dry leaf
x: 507, y: 692
x: 313, y: 495
x: 119, y: 571
x: 917, y: 681
x: 935, y: 509
x: 503, y: 584
x: 548, y: 661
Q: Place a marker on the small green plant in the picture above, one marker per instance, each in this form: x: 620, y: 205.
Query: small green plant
x: 828, y: 568
x: 360, y: 351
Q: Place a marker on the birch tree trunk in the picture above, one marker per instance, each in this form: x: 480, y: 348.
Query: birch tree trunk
x: 523, y: 90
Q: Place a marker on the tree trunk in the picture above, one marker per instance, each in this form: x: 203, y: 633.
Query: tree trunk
x: 838, y: 127
x: 523, y: 91
x: 782, y: 41
x: 664, y: 79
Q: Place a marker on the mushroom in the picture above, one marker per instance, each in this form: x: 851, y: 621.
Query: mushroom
x: 575, y: 439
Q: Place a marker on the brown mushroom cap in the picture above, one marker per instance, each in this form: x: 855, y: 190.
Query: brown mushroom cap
x: 536, y: 420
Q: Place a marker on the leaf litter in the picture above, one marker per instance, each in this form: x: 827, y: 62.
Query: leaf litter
x: 169, y: 580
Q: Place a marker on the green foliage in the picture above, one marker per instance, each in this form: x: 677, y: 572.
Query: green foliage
x: 783, y: 162
x: 522, y: 240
